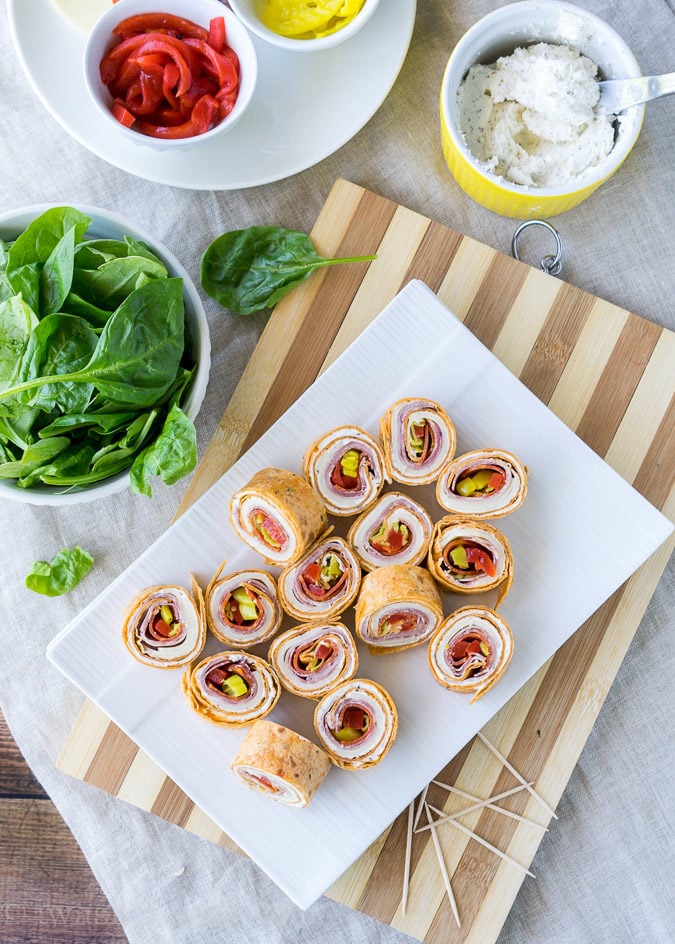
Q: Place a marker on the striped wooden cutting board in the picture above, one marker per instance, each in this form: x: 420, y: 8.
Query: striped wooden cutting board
x: 608, y: 375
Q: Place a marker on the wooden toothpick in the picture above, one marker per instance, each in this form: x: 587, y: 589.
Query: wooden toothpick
x: 515, y: 773
x: 408, y: 851
x: 483, y: 842
x: 442, y: 867
x: 490, y: 803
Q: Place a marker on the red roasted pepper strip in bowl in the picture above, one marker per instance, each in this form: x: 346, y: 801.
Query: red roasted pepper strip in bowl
x: 169, y: 77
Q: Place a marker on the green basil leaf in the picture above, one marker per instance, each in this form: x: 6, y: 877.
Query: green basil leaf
x: 61, y: 574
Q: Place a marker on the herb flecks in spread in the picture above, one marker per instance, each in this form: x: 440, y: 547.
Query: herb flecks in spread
x: 531, y: 117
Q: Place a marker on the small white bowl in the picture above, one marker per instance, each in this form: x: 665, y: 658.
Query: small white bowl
x: 101, y: 39
x: 499, y: 34
x: 249, y: 12
x: 107, y: 225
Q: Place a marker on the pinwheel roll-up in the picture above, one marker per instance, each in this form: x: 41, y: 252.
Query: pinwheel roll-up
x: 165, y: 626
x: 470, y: 556
x: 232, y: 688
x: 243, y: 609
x: 485, y: 483
x: 396, y: 530
x: 346, y: 468
x: 356, y: 723
x: 278, y: 515
x: 280, y: 763
x: 470, y: 650
x: 312, y: 658
x: 418, y: 438
x: 323, y: 583
x: 398, y: 607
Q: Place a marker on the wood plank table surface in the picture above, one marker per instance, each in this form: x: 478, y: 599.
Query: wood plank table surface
x: 595, y: 366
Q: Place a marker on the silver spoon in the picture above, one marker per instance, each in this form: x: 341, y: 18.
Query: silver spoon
x: 619, y: 94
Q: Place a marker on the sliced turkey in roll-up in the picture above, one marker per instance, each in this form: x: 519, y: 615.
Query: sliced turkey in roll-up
x: 323, y: 583
x: 470, y: 556
x: 398, y: 607
x: 278, y: 515
x: 243, y: 608
x: 396, y: 530
x: 232, y: 688
x: 356, y: 723
x: 280, y: 764
x: 470, y: 650
x: 313, y: 658
x: 484, y: 483
x: 418, y: 438
x: 346, y: 468
x: 165, y: 626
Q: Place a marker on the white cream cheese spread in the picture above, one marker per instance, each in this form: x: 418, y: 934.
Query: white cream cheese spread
x: 531, y: 117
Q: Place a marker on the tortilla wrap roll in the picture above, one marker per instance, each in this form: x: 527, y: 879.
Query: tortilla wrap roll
x: 484, y: 483
x: 418, y: 439
x: 470, y: 650
x: 165, y: 626
x: 232, y: 688
x: 278, y: 515
x: 243, y: 608
x: 356, y: 723
x: 323, y: 583
x: 312, y: 658
x: 398, y: 607
x: 280, y: 764
x: 470, y: 556
x: 395, y: 530
x: 346, y: 468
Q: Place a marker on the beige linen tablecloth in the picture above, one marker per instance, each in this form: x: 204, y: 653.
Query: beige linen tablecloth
x: 604, y: 871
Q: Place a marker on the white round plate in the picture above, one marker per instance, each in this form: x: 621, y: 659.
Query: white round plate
x: 305, y: 106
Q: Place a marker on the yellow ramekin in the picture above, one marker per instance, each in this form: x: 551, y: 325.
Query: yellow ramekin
x: 498, y: 34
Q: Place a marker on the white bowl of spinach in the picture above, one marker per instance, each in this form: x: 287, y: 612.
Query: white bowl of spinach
x: 104, y: 357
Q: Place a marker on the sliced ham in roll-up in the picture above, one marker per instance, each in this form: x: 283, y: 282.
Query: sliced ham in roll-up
x: 396, y: 530
x: 313, y: 658
x: 232, y: 688
x: 356, y: 723
x: 470, y: 650
x: 165, y: 627
x: 278, y: 515
x: 243, y: 608
x: 398, y: 607
x: 323, y: 583
x: 484, y: 483
x: 346, y: 468
x: 418, y: 438
x: 280, y: 764
x: 470, y: 556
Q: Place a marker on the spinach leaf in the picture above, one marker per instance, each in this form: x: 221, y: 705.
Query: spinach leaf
x: 61, y: 574
x: 251, y: 269
x: 17, y: 320
x: 59, y: 345
x: 34, y: 456
x: 110, y: 284
x: 138, y: 352
x: 171, y: 455
x: 57, y: 273
x: 29, y: 251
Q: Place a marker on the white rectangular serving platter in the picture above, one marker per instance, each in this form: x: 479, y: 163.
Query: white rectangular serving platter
x: 580, y: 534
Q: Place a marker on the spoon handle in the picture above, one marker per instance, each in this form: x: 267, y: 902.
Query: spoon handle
x: 618, y: 94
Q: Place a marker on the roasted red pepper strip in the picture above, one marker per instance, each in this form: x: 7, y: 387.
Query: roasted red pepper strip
x: 160, y: 22
x: 169, y: 77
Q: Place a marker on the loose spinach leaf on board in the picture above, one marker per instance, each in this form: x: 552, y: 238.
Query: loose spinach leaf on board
x: 61, y: 574
x: 251, y: 269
